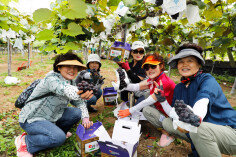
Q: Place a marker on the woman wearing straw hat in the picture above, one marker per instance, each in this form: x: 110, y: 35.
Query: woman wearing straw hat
x: 154, y: 67
x: 199, y: 91
x: 47, y: 120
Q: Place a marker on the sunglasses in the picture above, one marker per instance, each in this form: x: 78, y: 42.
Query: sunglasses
x: 141, y: 52
x: 148, y: 66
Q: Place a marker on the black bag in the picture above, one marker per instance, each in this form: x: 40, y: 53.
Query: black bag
x: 22, y: 99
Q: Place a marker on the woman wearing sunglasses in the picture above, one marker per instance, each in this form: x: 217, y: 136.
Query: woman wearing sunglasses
x: 134, y: 71
x: 154, y: 67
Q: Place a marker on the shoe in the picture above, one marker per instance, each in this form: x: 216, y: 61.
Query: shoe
x: 165, y: 140
x: 92, y: 110
x: 68, y: 134
x: 21, y: 147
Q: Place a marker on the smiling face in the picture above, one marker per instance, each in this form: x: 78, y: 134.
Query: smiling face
x: 69, y: 72
x: 138, y: 56
x: 93, y: 65
x: 153, y: 73
x: 188, y: 66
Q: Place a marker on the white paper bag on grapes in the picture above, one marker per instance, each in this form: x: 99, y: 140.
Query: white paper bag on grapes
x: 116, y: 84
x: 193, y: 14
x: 174, y: 6
x: 181, y: 124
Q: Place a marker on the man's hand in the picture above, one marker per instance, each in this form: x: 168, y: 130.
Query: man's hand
x: 87, y: 95
x: 159, y: 92
x: 86, y: 123
x: 124, y: 113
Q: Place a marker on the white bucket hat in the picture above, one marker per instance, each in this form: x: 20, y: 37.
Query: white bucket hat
x: 94, y: 58
x: 185, y: 53
x: 137, y: 44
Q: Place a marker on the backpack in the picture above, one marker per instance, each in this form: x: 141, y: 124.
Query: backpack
x: 22, y: 99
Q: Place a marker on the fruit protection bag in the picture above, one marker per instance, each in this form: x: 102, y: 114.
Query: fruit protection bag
x: 183, y: 125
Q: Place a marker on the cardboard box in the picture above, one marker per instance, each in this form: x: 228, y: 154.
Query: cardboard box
x: 119, y: 49
x: 125, y: 139
x: 109, y: 96
x: 86, y: 139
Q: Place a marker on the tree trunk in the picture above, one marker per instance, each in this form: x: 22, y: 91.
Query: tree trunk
x: 28, y: 55
x: 9, y: 49
x: 231, y: 58
x: 233, y: 88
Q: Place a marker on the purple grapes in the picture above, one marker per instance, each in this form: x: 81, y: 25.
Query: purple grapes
x: 122, y: 78
x: 185, y: 114
x: 85, y: 86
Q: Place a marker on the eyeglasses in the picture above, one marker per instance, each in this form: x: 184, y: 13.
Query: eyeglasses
x: 141, y: 52
x: 148, y: 66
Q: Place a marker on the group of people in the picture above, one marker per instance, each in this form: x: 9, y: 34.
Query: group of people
x: 48, y: 120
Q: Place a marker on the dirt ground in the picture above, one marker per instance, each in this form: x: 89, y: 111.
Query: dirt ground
x: 146, y: 148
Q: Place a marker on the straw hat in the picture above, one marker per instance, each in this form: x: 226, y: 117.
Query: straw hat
x: 73, y: 62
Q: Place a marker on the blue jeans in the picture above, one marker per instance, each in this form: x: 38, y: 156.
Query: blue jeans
x: 94, y: 99
x: 45, y: 134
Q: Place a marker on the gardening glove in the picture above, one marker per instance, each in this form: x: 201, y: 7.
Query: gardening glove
x: 125, y: 65
x: 124, y: 113
x: 159, y: 92
x: 122, y: 80
x: 86, y: 123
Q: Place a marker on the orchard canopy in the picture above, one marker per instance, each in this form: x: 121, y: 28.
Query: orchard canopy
x: 161, y: 24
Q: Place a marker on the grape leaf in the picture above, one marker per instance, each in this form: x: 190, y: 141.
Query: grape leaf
x: 73, y: 30
x: 77, y: 9
x: 45, y: 35
x: 42, y: 14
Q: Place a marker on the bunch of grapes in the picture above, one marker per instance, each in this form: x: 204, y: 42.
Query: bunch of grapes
x: 185, y: 114
x: 85, y: 86
x: 122, y: 78
x: 96, y: 77
x: 159, y: 2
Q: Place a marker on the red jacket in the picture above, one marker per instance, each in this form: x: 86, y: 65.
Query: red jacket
x: 168, y: 87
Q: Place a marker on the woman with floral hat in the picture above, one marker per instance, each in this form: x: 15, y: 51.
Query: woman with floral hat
x: 48, y: 119
x: 216, y: 133
x: 154, y: 66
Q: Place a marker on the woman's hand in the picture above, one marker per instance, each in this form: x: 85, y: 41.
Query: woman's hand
x: 124, y: 113
x: 125, y: 65
x: 86, y: 123
x: 87, y: 95
x: 182, y: 130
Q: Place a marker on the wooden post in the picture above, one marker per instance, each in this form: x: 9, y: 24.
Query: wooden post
x: 9, y: 50
x: 28, y: 55
x: 100, y: 48
x: 124, y: 34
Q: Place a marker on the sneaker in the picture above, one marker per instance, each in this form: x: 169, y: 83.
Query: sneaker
x: 21, y: 147
x: 68, y: 134
x: 165, y: 140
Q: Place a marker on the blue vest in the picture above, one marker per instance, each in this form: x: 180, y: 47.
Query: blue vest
x: 220, y: 111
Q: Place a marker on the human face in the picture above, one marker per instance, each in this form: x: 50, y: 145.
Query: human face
x: 69, y: 72
x: 153, y: 73
x: 188, y: 66
x: 93, y: 65
x: 138, y: 56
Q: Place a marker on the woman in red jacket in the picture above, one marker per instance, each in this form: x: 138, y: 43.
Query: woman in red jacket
x: 154, y: 67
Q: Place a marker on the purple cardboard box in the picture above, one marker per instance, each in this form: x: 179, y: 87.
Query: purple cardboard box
x: 87, y: 141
